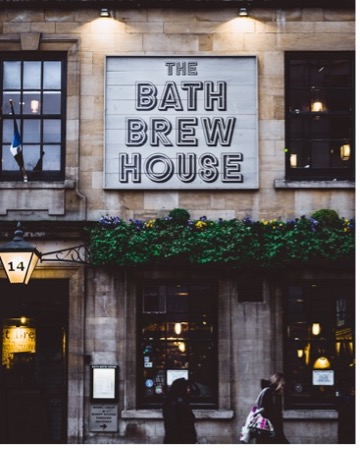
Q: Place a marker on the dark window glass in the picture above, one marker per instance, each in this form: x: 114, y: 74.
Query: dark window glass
x: 319, y: 346
x: 36, y: 84
x: 320, y: 112
x: 177, y: 338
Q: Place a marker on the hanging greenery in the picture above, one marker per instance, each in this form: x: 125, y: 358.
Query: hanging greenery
x: 235, y: 243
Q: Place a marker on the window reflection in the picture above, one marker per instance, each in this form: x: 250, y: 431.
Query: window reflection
x: 36, y: 88
x: 320, y: 336
x: 178, y: 338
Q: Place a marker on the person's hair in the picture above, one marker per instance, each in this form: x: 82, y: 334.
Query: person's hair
x: 179, y: 388
x: 277, y: 380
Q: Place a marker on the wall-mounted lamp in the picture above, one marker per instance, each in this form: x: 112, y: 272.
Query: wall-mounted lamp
x: 19, y: 258
x: 104, y: 12
x: 345, y: 152
x: 243, y: 12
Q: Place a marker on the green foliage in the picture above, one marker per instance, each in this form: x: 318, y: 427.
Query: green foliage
x: 177, y: 240
x: 327, y: 217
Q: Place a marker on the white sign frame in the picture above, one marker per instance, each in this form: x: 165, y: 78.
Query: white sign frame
x: 104, y: 382
x: 181, y: 122
x: 323, y: 377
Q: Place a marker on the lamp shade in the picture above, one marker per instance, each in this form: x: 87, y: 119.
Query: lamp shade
x: 19, y: 258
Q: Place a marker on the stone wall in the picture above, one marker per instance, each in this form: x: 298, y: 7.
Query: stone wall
x: 144, y: 32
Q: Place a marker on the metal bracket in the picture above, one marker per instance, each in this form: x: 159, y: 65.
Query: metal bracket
x: 75, y: 254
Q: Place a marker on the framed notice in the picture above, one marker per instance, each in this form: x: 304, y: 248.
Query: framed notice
x: 323, y: 377
x: 104, y: 380
x: 181, y: 122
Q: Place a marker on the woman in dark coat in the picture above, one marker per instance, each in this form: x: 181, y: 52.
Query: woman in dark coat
x: 179, y: 419
x: 272, y: 404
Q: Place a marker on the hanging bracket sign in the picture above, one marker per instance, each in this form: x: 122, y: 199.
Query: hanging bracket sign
x: 181, y: 123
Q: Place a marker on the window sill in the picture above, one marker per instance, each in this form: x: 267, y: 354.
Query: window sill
x: 310, y: 414
x: 284, y: 184
x: 67, y: 185
x: 157, y: 414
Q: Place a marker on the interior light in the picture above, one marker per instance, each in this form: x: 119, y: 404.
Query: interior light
x: 293, y: 160
x: 315, y: 328
x: 322, y: 363
x: 243, y: 12
x: 317, y: 106
x: 34, y: 106
x: 104, y: 12
x: 345, y: 152
x: 177, y: 328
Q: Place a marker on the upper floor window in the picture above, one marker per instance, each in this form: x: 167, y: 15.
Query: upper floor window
x: 320, y: 110
x: 177, y: 335
x: 33, y: 128
x: 319, y: 346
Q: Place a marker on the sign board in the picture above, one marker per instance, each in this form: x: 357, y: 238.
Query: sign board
x: 323, y: 377
x: 103, y: 418
x: 17, y: 339
x: 181, y: 123
x: 104, y: 382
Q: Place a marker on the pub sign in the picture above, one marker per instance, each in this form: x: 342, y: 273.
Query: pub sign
x: 181, y: 123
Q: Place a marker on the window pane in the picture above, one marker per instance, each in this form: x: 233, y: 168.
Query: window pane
x: 12, y: 75
x: 179, y: 341
x: 52, y: 157
x: 15, y: 97
x: 320, y: 337
x: 52, y: 75
x: 28, y: 83
x: 52, y: 103
x: 320, y: 155
x: 31, y: 103
x: 8, y: 161
x: 32, y: 75
x: 52, y: 131
x: 31, y: 155
x: 31, y: 131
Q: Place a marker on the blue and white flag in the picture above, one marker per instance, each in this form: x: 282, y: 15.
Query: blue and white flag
x: 16, y: 146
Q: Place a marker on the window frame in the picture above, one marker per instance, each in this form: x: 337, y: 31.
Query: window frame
x: 141, y: 404
x: 40, y: 56
x: 306, y: 117
x: 326, y: 341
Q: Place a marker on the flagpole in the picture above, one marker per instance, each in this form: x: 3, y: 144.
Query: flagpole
x: 19, y: 156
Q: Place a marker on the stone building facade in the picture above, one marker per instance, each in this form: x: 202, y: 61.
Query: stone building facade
x: 102, y: 322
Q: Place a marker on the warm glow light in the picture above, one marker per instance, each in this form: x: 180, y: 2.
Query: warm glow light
x: 243, y: 12
x: 22, y: 320
x: 316, y: 329
x: 345, y: 152
x: 104, y: 12
x: 177, y: 328
x: 34, y: 106
x: 317, y: 106
x: 182, y: 347
x: 19, y: 258
x: 293, y: 160
x: 300, y: 353
x: 322, y: 363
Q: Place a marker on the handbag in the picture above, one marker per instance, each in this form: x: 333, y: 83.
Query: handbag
x: 255, y: 424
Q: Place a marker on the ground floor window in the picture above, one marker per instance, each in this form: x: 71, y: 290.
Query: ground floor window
x: 177, y: 337
x: 319, y: 346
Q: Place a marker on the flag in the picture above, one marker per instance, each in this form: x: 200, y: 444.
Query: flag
x: 16, y: 146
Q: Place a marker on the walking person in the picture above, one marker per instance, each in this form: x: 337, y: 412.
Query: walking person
x: 179, y: 419
x: 272, y: 404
